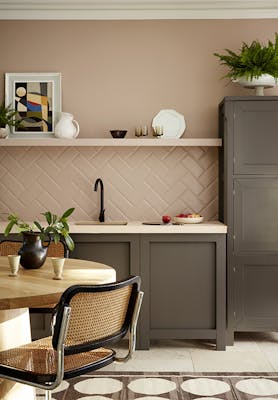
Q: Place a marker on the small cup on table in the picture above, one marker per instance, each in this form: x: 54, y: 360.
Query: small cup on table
x: 58, y: 266
x: 14, y: 264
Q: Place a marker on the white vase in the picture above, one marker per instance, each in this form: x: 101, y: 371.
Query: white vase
x: 4, y: 132
x: 259, y: 84
x: 66, y: 127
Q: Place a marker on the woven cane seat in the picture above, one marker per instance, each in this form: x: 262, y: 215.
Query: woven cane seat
x: 10, y: 247
x: 56, y: 250
x: 39, y: 358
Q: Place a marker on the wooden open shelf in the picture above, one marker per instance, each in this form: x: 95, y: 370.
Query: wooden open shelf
x: 100, y: 142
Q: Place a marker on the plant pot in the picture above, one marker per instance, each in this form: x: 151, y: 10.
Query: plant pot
x: 4, y: 132
x: 33, y: 252
x: 259, y: 84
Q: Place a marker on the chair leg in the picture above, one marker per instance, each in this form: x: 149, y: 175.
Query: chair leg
x: 48, y: 395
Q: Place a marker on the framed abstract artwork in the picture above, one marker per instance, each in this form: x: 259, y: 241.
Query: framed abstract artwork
x: 37, y: 99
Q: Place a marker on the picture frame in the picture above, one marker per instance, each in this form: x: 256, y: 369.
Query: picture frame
x: 37, y: 99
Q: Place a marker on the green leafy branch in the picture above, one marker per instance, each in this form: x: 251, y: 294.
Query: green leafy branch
x: 57, y: 227
x: 9, y: 116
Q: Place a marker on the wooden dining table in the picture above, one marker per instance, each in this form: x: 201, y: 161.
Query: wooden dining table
x: 37, y: 288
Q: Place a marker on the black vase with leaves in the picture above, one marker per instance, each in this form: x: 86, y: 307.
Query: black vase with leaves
x: 33, y: 252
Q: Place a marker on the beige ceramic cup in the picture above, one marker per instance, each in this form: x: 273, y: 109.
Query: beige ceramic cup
x: 14, y: 264
x: 58, y: 266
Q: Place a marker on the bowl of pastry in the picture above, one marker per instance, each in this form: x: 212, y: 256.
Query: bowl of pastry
x: 190, y: 218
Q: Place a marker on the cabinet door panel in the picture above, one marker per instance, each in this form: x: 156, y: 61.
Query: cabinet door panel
x: 182, y: 285
x: 256, y: 295
x: 255, y: 137
x: 116, y: 255
x: 256, y: 215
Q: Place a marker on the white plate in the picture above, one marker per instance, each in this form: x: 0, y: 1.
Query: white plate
x: 173, y: 123
x: 179, y: 220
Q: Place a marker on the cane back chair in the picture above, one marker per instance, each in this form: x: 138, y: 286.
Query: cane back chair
x: 88, y: 318
x: 12, y: 247
x: 59, y: 249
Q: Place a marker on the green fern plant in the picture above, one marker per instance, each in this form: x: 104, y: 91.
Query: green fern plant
x: 252, y: 61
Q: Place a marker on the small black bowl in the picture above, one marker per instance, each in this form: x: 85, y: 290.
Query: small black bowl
x: 118, y: 134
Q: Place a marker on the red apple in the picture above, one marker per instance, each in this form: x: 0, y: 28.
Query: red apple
x: 181, y: 215
x: 166, y: 219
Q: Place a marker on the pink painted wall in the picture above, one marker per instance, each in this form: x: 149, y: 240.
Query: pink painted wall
x: 117, y: 75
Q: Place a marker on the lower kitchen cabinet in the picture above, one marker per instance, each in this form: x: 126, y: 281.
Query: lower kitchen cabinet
x: 256, y: 295
x: 184, y: 280
x: 183, y: 277
x: 120, y: 251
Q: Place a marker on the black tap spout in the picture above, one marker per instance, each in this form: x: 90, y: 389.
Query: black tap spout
x: 101, y: 217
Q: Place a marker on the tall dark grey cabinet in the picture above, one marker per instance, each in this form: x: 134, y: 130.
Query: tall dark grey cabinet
x: 248, y: 192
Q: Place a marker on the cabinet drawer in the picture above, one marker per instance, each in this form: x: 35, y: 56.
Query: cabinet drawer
x: 256, y: 215
x: 255, y: 137
x: 256, y: 294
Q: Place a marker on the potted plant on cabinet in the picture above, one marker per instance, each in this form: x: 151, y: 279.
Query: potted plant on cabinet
x: 8, y: 118
x: 254, y: 66
x: 33, y: 252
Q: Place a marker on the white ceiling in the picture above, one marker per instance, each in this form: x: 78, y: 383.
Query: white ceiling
x: 137, y: 9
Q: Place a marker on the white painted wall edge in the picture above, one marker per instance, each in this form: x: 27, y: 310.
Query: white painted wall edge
x: 138, y: 9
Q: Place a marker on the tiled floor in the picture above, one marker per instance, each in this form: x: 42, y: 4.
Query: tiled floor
x: 252, y: 352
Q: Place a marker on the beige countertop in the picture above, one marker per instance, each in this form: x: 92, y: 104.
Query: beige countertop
x: 137, y: 227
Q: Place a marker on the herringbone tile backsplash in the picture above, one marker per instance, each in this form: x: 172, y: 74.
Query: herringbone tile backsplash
x: 140, y: 183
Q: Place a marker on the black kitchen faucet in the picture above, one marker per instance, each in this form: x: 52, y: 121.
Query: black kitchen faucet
x: 101, y: 217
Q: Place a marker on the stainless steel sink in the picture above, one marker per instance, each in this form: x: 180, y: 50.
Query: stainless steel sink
x: 101, y: 223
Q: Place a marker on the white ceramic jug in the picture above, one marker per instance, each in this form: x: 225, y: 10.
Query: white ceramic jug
x: 67, y: 127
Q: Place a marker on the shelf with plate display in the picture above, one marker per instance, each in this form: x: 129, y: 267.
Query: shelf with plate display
x: 101, y: 142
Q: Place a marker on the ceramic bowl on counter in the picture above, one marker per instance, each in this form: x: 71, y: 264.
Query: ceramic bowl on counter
x: 188, y: 220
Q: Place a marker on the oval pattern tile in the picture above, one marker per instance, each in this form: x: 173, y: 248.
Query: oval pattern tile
x: 265, y: 398
x: 209, y: 398
x: 258, y: 386
x: 152, y: 386
x: 99, y: 386
x: 205, y: 386
x: 154, y: 398
x: 63, y: 386
x: 95, y: 398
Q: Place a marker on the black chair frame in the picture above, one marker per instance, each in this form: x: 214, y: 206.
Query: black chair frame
x: 61, y: 323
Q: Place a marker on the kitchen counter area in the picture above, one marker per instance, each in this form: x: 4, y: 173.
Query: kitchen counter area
x: 136, y: 227
x: 176, y: 264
